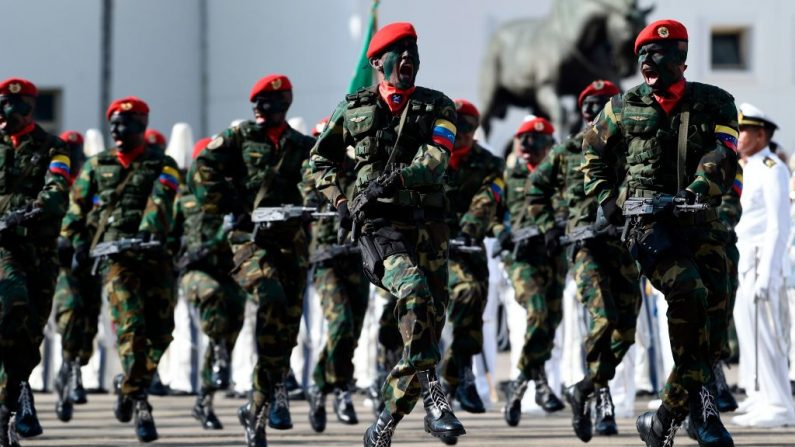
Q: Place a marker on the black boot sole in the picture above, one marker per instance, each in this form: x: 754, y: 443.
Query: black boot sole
x: 444, y: 434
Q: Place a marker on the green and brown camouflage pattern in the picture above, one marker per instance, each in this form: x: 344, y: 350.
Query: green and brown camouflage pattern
x: 78, y: 300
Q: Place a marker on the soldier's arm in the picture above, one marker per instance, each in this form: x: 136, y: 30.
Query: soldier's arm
x: 221, y: 160
x: 430, y: 162
x: 543, y: 186
x: 717, y: 168
x: 81, y: 201
x: 54, y: 197
x: 730, y: 209
x: 158, y: 213
x: 483, y: 208
x: 327, y: 155
x: 309, y: 193
x: 174, y: 241
x: 601, y: 151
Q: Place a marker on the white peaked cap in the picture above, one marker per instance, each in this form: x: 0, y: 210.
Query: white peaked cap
x: 93, y: 143
x: 180, y: 145
x: 751, y: 115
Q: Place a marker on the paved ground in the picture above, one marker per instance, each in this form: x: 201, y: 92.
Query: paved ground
x: 94, y: 425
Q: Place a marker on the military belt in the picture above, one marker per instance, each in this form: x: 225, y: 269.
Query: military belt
x: 410, y: 198
x: 405, y: 213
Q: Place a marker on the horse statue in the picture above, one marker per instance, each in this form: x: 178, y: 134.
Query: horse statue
x: 533, y: 62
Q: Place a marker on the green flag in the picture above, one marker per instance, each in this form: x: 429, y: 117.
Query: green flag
x: 363, y: 74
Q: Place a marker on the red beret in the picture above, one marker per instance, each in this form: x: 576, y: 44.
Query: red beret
x: 388, y: 35
x: 464, y: 107
x: 18, y: 86
x: 598, y: 88
x: 71, y: 136
x: 270, y: 83
x: 320, y: 126
x: 200, y: 145
x: 536, y: 125
x: 661, y: 30
x: 152, y: 136
x: 128, y: 104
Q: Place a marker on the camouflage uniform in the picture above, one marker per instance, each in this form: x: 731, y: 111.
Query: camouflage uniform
x: 416, y: 272
x: 140, y: 285
x: 537, y: 279
x: 240, y: 170
x: 474, y: 191
x: 693, y: 273
x: 729, y: 213
x: 605, y: 274
x: 34, y: 171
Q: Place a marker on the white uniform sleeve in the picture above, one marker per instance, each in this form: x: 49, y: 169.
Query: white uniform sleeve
x: 774, y: 247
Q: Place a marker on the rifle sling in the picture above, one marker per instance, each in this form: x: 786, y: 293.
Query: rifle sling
x: 681, y: 153
x: 395, y: 149
x: 103, y: 221
x: 266, y: 184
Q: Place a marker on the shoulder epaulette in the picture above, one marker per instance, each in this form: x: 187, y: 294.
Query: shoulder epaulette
x: 769, y: 162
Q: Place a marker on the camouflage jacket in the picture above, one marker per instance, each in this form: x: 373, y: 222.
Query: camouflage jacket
x: 474, y: 191
x: 194, y: 231
x: 730, y: 209
x: 145, y: 204
x: 324, y: 231
x: 650, y: 138
x: 242, y: 162
x: 517, y: 181
x: 36, y: 172
x: 364, y: 122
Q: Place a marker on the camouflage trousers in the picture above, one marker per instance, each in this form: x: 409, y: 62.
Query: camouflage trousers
x: 344, y: 294
x: 78, y: 300
x: 419, y: 282
x: 538, y: 282
x: 141, y: 295
x: 608, y: 285
x: 468, y: 285
x: 274, y: 277
x: 730, y: 344
x: 27, y: 285
x: 390, y: 342
x: 693, y: 277
x: 220, y: 302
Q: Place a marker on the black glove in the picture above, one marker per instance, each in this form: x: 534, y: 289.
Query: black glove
x: 344, y: 216
x: 612, y: 212
x: 144, y: 236
x: 552, y: 241
x: 242, y: 222
x: 65, y: 252
x: 503, y: 243
x: 688, y: 196
x: 80, y: 258
x: 466, y: 239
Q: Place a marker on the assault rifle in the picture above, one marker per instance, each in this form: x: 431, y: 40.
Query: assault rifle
x: 333, y: 251
x: 522, y: 235
x: 16, y: 218
x: 269, y: 215
x: 105, y: 249
x: 191, y: 257
x: 585, y: 232
x: 460, y: 246
x: 636, y: 207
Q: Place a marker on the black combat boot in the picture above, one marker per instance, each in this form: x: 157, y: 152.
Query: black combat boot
x: 374, y: 393
x: 689, y: 429
x: 279, y: 416
x: 294, y: 389
x: 380, y: 433
x: 545, y: 397
x: 605, y: 419
x: 144, y: 422
x: 343, y: 406
x: 156, y: 387
x: 317, y: 409
x: 439, y: 418
x: 64, y: 407
x: 705, y: 419
x: 253, y: 421
x: 8, y: 432
x: 513, y: 403
x: 203, y: 411
x: 27, y: 421
x: 724, y: 400
x: 658, y: 428
x: 220, y: 367
x: 77, y: 393
x: 579, y: 398
x: 123, y: 408
x: 467, y: 391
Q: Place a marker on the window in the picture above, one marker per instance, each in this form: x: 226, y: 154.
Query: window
x: 48, y: 110
x: 730, y: 49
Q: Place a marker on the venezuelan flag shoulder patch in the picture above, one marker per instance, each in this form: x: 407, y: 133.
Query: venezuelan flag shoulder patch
x: 444, y: 133
x: 61, y: 165
x: 169, y: 177
x: 727, y: 136
x: 737, y: 185
x: 498, y: 189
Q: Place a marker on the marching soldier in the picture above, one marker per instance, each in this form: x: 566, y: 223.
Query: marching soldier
x: 536, y: 268
x: 78, y: 299
x: 474, y: 189
x: 254, y: 164
x: 132, y: 186
x: 678, y: 139
x: 344, y: 293
x: 204, y: 261
x: 34, y: 184
x: 402, y: 135
x: 605, y: 273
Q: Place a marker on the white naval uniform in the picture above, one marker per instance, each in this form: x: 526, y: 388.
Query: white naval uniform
x: 762, y: 233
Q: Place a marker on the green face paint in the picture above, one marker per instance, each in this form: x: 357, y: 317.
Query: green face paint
x: 591, y: 106
x: 661, y: 64
x: 400, y: 63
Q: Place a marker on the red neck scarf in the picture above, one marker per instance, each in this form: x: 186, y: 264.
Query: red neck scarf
x: 126, y: 158
x: 22, y: 132
x: 672, y: 96
x: 275, y: 133
x: 458, y: 155
x: 394, y: 97
x: 531, y: 167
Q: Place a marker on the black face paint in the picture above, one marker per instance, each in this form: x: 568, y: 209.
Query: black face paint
x: 465, y: 124
x: 127, y: 130
x: 270, y: 108
x: 661, y: 64
x: 534, y: 142
x: 401, y: 62
x: 13, y: 110
x: 591, y: 106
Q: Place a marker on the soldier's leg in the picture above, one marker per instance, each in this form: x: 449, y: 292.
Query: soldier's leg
x: 91, y: 296
x: 336, y: 310
x: 161, y: 299
x: 68, y: 315
x: 205, y: 292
